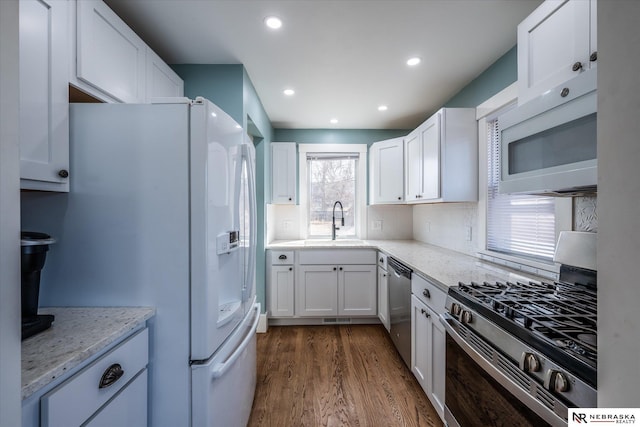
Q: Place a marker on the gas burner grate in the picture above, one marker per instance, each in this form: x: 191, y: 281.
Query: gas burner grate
x: 561, y: 314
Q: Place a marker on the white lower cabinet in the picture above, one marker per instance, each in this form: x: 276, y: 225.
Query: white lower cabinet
x: 428, y: 352
x: 337, y: 290
x: 383, y: 297
x: 281, y: 291
x: 112, y: 391
x: 128, y: 408
x: 317, y: 287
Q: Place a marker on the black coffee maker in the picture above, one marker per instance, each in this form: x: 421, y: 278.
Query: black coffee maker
x: 34, y: 247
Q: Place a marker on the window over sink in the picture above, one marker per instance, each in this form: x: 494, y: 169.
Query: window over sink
x: 329, y: 173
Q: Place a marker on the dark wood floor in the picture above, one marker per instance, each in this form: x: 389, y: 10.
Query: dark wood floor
x: 348, y: 375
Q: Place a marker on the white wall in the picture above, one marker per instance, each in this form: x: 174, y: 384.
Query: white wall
x: 618, y: 204
x: 395, y: 221
x: 450, y: 225
x: 10, y: 400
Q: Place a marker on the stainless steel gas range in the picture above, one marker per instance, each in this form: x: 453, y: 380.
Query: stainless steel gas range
x: 522, y: 353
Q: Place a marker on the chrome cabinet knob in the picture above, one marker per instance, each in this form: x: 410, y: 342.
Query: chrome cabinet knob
x: 556, y: 381
x: 529, y: 362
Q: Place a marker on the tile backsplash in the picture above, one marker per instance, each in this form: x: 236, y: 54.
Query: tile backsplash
x: 585, y: 215
x: 450, y: 225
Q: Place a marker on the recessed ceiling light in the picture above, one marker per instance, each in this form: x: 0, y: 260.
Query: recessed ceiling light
x: 289, y: 92
x: 333, y: 121
x: 413, y: 61
x: 273, y: 22
x: 382, y: 108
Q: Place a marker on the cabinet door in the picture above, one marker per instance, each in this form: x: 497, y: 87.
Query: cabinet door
x: 161, y: 80
x: 551, y: 40
x: 357, y: 290
x: 438, y: 365
x: 421, y: 341
x: 383, y: 297
x: 281, y: 291
x: 317, y: 290
x: 44, y: 95
x: 430, y: 138
x: 387, y: 171
x: 129, y: 408
x: 413, y: 166
x: 110, y: 56
x: 283, y: 173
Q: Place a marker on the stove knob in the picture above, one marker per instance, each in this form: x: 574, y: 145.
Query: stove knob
x: 529, y: 362
x: 556, y: 381
x: 455, y: 309
x: 466, y: 317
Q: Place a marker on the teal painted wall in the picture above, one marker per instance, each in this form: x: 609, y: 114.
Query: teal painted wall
x: 230, y: 88
x: 499, y: 75
x: 221, y: 84
x: 336, y: 136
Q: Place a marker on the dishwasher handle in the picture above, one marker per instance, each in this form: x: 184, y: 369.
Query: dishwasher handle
x: 399, y: 268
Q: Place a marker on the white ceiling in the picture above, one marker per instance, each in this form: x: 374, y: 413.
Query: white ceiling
x: 342, y: 57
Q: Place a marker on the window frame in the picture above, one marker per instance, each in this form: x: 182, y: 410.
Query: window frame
x: 485, y: 112
x: 360, y: 150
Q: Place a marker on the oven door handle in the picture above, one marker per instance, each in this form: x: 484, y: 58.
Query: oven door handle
x: 544, y: 412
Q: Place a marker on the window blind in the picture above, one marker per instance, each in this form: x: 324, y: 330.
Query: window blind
x: 516, y: 224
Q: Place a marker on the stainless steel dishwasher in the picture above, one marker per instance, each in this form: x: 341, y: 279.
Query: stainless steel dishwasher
x: 400, y: 307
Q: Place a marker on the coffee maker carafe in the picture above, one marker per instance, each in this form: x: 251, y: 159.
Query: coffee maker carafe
x: 34, y: 247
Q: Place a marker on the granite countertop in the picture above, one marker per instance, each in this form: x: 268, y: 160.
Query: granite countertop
x: 442, y: 266
x: 77, y: 333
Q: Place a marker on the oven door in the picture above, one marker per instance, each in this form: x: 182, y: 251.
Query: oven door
x: 477, y: 393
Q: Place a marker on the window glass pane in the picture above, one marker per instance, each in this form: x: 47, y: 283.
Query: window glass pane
x: 331, y: 179
x: 516, y: 224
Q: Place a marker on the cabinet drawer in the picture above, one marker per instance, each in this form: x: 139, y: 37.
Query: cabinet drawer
x: 382, y: 260
x: 337, y: 256
x: 128, y: 408
x: 75, y: 400
x: 428, y: 293
x: 281, y: 257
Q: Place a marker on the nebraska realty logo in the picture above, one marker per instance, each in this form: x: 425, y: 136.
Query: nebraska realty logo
x: 579, y: 417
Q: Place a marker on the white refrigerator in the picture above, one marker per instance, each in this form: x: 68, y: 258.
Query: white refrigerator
x: 161, y: 212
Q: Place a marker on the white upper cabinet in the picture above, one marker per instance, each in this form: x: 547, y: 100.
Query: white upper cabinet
x: 110, y: 56
x: 386, y: 172
x: 44, y: 95
x: 556, y: 42
x: 441, y: 158
x: 161, y: 80
x: 283, y: 173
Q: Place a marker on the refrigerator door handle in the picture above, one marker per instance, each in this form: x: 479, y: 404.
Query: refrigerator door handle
x: 251, y: 270
x: 221, y: 368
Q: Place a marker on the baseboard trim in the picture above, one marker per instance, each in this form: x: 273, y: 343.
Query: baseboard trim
x: 300, y: 321
x: 262, y: 324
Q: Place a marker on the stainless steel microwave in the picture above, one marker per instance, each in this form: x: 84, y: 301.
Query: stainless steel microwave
x: 549, y: 145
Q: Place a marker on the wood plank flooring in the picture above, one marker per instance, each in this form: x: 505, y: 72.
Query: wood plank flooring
x: 347, y: 375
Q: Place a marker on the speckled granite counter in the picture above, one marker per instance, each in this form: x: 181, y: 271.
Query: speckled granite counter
x: 77, y: 334
x: 442, y: 266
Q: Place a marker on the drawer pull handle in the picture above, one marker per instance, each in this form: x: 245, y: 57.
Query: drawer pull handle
x: 426, y: 293
x: 111, y: 375
x: 282, y: 257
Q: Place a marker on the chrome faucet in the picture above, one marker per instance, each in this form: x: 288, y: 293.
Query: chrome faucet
x: 333, y: 220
